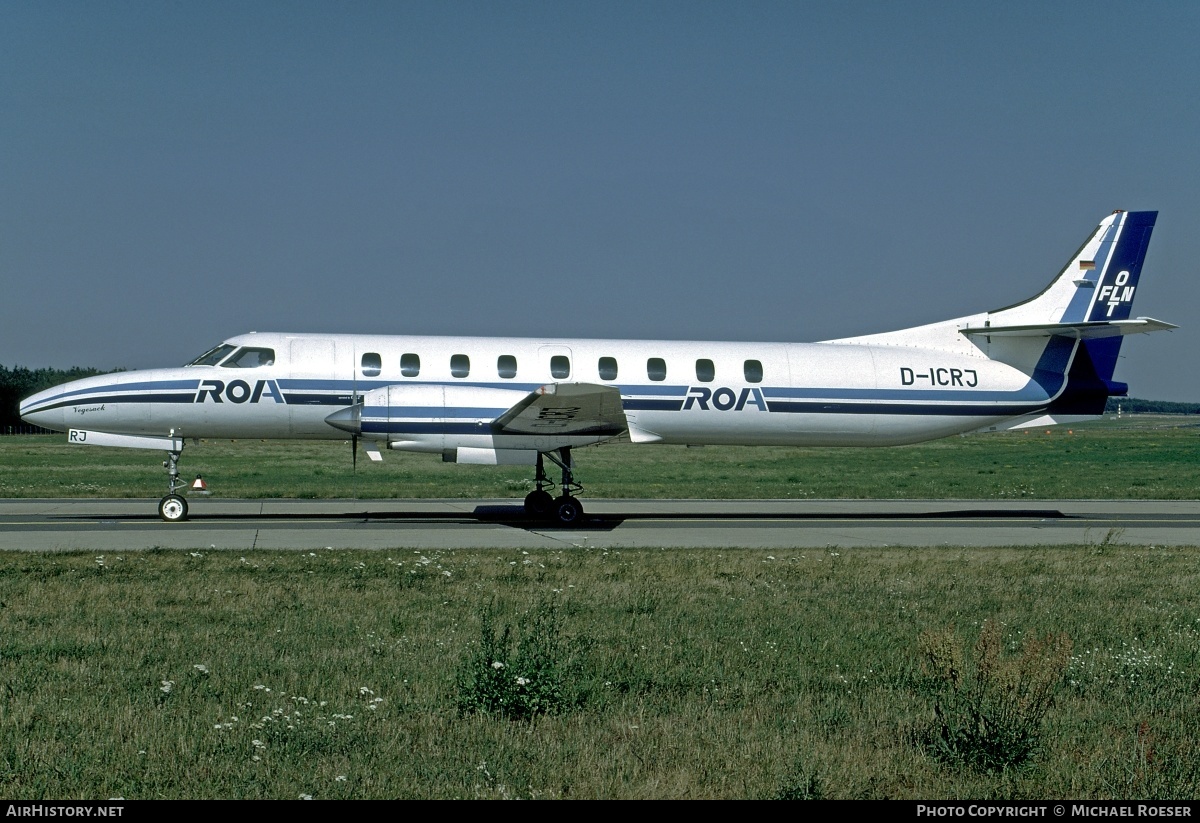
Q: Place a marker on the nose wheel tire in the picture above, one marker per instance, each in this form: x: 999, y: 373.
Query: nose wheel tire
x: 173, y: 508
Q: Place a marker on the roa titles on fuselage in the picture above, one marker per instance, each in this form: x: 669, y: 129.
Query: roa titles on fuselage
x: 238, y: 391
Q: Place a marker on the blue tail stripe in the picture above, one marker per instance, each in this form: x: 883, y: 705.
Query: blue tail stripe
x: 1114, y: 293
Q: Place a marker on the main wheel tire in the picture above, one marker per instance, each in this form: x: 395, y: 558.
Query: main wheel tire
x: 568, y: 510
x: 173, y: 508
x: 538, y: 503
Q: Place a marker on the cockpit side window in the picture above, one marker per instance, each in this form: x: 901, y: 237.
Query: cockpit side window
x: 250, y: 358
x: 213, y: 356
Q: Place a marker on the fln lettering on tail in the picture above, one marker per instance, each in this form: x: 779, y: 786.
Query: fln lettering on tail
x: 511, y: 401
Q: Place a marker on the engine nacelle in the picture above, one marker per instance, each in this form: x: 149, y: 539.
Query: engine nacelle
x: 439, y: 418
x: 428, y: 417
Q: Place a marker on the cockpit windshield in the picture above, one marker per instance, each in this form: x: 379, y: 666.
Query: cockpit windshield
x: 213, y: 356
x: 250, y: 358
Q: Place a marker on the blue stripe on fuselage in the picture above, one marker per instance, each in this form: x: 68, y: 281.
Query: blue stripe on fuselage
x: 907, y: 409
x: 103, y: 394
x: 1047, y: 382
x: 1032, y: 392
x: 115, y: 400
x: 637, y: 404
x: 429, y: 412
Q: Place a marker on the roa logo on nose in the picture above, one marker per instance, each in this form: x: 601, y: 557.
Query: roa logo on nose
x: 238, y: 391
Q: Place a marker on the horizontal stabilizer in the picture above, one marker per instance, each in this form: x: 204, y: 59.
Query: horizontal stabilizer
x: 566, y: 409
x: 1086, y: 330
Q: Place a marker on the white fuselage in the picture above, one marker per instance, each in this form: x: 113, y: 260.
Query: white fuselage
x: 847, y: 393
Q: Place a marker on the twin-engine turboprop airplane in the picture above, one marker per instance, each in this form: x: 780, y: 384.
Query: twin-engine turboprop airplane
x: 1049, y: 359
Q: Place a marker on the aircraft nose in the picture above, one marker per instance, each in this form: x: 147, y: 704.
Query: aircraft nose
x: 348, y: 419
x: 41, y: 409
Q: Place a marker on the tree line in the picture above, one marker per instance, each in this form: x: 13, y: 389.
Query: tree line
x: 1134, y: 405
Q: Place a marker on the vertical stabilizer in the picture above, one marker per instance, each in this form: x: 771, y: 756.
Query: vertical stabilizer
x: 1096, y: 287
x: 1098, y: 283
x: 1114, y: 294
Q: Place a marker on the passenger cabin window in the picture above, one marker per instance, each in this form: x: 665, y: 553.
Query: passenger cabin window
x: 656, y: 368
x: 372, y: 363
x: 460, y: 365
x: 753, y: 371
x: 560, y: 366
x: 608, y: 368
x: 213, y: 356
x: 250, y: 359
x: 506, y: 366
x: 410, y: 364
x: 705, y: 371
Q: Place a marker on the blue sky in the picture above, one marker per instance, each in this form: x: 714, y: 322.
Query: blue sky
x: 175, y: 173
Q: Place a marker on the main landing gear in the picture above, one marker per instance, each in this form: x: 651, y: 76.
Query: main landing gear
x: 539, y: 503
x: 173, y: 508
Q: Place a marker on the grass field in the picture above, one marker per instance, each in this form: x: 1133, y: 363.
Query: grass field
x: 648, y: 674
x: 1143, y: 457
x: 940, y: 673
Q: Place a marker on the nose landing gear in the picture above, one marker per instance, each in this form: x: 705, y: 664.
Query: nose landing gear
x: 173, y: 508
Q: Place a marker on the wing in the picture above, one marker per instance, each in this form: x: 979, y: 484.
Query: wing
x: 566, y: 408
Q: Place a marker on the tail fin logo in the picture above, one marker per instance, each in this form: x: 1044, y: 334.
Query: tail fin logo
x: 1116, y: 293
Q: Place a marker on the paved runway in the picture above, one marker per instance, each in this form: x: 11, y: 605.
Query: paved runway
x: 125, y: 525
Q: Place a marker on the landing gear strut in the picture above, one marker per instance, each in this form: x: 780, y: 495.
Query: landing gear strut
x: 173, y: 508
x: 566, y: 509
